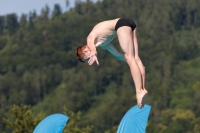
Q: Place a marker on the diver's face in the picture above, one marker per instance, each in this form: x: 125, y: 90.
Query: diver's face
x: 86, y: 52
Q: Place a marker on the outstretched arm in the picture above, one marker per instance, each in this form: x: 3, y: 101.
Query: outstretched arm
x: 110, y: 48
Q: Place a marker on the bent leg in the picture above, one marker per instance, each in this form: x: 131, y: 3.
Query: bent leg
x: 126, y: 42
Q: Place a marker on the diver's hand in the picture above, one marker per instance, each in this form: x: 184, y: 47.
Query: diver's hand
x: 93, y: 58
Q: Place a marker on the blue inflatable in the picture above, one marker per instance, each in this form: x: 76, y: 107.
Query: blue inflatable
x: 135, y: 120
x: 52, y: 124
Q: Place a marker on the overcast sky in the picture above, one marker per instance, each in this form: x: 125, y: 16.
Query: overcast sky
x: 25, y: 6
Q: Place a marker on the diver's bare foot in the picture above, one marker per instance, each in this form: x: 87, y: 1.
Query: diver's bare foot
x: 141, y: 95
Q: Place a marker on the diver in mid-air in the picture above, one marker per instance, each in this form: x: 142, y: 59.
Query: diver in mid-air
x: 102, y: 34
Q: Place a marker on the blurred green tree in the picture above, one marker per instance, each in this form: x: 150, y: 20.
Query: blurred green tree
x: 22, y: 120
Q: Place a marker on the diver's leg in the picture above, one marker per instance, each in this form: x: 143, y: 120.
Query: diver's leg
x: 137, y: 58
x: 126, y: 42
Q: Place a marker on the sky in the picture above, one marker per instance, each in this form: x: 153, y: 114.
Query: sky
x: 26, y: 6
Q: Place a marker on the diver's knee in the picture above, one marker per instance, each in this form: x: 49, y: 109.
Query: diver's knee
x: 129, y: 58
x: 137, y: 58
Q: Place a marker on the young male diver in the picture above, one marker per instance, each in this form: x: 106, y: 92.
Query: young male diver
x: 101, y: 36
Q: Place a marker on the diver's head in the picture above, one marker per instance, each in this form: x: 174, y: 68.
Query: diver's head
x: 82, y: 53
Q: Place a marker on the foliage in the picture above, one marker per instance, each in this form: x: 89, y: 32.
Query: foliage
x: 72, y: 125
x: 22, y: 120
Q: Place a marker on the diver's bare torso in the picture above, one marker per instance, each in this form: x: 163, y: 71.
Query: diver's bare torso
x: 103, y: 33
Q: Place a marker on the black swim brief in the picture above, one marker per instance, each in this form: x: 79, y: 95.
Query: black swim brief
x: 125, y: 22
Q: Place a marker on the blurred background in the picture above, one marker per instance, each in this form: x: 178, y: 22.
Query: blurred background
x: 39, y: 73
x: 24, y: 6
